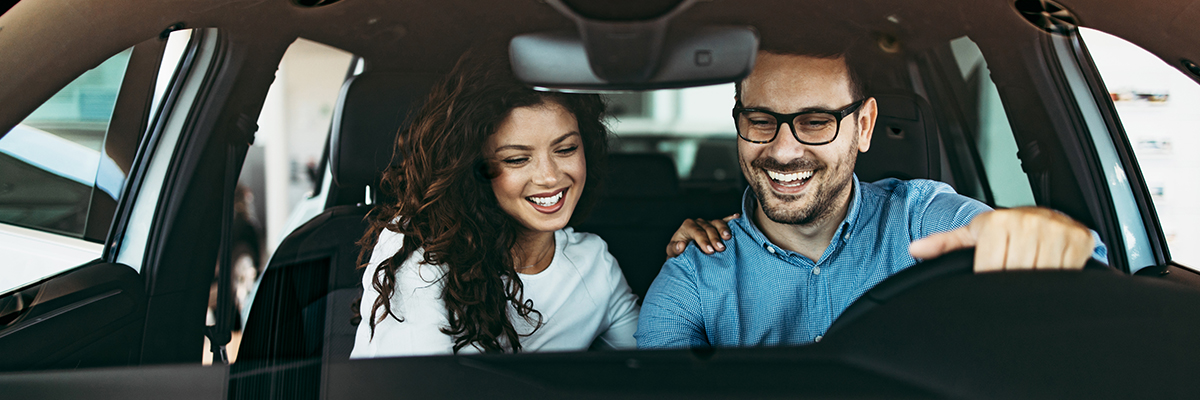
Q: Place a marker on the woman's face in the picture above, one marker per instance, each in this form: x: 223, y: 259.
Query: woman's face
x: 538, y: 155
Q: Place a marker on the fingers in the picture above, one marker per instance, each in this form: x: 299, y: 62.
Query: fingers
x: 715, y: 235
x: 1029, y: 238
x: 692, y: 230
x: 708, y: 235
x: 991, y: 250
x: 1079, y: 250
x: 1049, y: 255
x: 675, y: 248
x: 938, y: 244
x: 722, y: 225
x: 1023, y: 237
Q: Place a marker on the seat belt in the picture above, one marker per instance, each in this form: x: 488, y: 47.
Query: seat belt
x: 220, y: 333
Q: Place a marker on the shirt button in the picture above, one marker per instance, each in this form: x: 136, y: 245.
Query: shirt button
x: 770, y: 249
x: 818, y: 338
x: 816, y: 270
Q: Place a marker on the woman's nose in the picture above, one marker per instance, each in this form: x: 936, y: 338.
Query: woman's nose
x: 546, y: 173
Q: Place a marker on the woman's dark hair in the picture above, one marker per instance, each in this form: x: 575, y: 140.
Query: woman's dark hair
x: 447, y: 207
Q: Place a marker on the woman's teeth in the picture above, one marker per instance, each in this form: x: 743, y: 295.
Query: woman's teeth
x: 547, y: 201
x: 789, y: 178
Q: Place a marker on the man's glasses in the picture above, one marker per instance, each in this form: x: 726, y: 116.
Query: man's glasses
x: 813, y: 127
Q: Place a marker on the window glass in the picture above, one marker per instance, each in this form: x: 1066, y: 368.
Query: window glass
x: 53, y: 171
x: 682, y: 124
x: 283, y: 163
x: 993, y: 136
x: 1156, y: 104
x: 52, y: 161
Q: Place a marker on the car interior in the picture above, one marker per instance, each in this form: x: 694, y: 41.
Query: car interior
x: 990, y: 105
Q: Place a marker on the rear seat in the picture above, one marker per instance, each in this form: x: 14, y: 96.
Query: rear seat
x: 638, y: 211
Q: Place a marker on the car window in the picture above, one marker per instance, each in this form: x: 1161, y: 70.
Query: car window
x: 54, y: 171
x: 993, y: 137
x: 292, y: 132
x: 681, y: 124
x: 1156, y: 104
x: 63, y: 167
x: 54, y: 157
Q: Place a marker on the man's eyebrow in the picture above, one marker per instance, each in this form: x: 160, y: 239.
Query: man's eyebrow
x: 806, y: 109
x: 560, y: 139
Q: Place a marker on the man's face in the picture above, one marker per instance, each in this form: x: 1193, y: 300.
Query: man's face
x: 797, y: 183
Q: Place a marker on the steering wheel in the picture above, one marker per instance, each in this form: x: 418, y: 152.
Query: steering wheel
x: 956, y: 263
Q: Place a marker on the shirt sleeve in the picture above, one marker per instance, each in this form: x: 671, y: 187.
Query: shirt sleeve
x: 671, y: 316
x: 622, y: 312
x: 416, y: 300
x: 942, y: 209
x: 947, y: 210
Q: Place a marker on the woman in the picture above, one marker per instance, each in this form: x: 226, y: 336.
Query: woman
x: 476, y: 255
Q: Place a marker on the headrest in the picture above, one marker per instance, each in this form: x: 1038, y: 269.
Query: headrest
x: 717, y: 162
x: 641, y: 175
x: 905, y: 142
x: 371, y: 110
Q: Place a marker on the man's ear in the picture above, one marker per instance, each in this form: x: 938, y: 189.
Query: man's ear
x: 866, y: 123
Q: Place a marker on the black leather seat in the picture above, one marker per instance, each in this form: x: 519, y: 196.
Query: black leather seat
x: 638, y: 211
x: 905, y: 144
x: 304, y: 306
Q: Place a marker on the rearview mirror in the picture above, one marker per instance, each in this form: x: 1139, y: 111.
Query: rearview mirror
x: 614, y: 60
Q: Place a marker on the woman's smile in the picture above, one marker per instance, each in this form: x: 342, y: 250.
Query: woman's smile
x: 548, y: 203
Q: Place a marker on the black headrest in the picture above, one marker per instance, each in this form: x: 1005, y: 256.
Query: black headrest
x: 905, y: 142
x: 371, y: 110
x: 717, y: 162
x: 641, y: 175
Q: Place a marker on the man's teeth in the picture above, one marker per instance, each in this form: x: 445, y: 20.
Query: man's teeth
x: 547, y: 201
x: 795, y: 176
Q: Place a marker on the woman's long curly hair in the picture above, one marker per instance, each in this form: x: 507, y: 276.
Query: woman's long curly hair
x: 446, y: 205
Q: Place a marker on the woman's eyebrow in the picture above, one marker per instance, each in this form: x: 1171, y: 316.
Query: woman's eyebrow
x: 560, y: 139
x: 564, y: 137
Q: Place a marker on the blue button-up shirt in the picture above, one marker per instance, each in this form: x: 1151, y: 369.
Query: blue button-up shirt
x: 757, y: 294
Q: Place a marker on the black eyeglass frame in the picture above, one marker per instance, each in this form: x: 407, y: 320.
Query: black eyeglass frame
x: 790, y: 119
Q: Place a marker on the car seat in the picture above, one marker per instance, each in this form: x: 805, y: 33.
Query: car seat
x: 905, y: 144
x: 639, y: 209
x: 304, y: 305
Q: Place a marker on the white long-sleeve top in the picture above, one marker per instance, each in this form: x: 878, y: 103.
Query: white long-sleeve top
x: 582, y: 296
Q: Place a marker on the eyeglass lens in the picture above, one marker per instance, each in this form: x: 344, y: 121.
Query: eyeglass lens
x: 761, y: 127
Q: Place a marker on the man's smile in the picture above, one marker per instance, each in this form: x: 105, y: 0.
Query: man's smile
x: 790, y: 179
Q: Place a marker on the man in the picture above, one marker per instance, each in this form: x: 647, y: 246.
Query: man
x: 811, y: 238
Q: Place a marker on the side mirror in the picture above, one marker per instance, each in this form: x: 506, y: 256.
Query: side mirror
x: 608, y: 55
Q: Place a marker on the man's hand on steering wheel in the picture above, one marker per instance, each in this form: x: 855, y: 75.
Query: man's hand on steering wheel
x: 1015, y: 239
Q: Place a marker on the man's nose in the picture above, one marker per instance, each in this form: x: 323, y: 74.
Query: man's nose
x: 785, y: 145
x: 546, y: 173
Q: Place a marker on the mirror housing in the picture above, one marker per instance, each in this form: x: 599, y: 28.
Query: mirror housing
x: 631, y: 55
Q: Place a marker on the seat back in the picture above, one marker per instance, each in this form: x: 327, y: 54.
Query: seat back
x: 637, y: 213
x: 905, y: 143
x: 304, y: 305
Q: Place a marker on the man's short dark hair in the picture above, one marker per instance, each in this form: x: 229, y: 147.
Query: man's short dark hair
x: 856, y: 87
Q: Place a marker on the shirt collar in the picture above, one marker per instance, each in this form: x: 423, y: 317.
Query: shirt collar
x: 749, y: 201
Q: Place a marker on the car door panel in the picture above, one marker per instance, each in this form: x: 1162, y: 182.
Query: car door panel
x: 91, y: 316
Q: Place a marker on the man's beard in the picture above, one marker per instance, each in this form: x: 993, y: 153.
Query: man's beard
x: 824, y: 198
